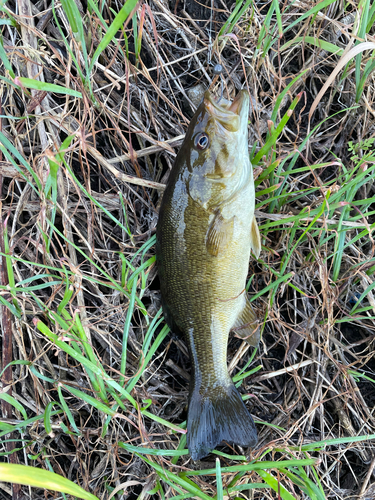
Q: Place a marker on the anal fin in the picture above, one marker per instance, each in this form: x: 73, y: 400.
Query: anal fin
x: 219, y: 234
x: 246, y: 326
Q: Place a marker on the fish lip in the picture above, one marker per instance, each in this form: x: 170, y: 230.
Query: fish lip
x: 240, y: 104
x: 228, y: 114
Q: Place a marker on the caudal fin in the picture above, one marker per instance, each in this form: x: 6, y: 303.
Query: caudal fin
x: 215, y: 415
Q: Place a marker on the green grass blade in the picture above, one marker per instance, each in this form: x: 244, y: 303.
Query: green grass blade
x: 181, y: 446
x: 219, y: 482
x: 320, y: 6
x: 164, y: 332
x: 301, y: 480
x: 6, y: 428
x: 274, y: 136
x: 363, y: 295
x: 152, y: 451
x: 265, y: 30
x: 91, y: 198
x: 67, y: 348
x: 90, y: 400
x: 11, y: 307
x: 371, y: 17
x: 234, y: 17
x: 97, y: 382
x: 35, y: 372
x: 40, y: 478
x: 69, y: 290
x: 29, y: 83
x: 317, y: 42
x: 66, y: 409
x: 76, y: 23
x: 72, y: 13
x: 47, y: 417
x: 278, y: 18
x: 275, y: 485
x: 9, y: 269
x: 92, y: 5
x: 10, y: 400
x: 363, y: 9
x: 358, y: 375
x: 119, y: 20
x: 369, y: 68
x: 5, y: 60
x: 67, y: 44
x: 8, y: 149
x: 256, y: 466
x: 319, y: 445
x: 273, y: 285
x: 249, y: 486
x: 21, y: 426
x: 129, y: 315
x: 14, y: 363
x: 175, y: 479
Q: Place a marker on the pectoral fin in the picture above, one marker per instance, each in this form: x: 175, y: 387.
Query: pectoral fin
x: 255, y: 238
x: 247, y: 327
x: 219, y: 234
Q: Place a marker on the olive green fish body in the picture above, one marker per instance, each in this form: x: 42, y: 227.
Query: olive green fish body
x: 204, y: 236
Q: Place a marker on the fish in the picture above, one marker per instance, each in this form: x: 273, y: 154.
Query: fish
x: 205, y: 232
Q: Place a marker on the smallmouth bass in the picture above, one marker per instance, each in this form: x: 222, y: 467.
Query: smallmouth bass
x: 205, y: 232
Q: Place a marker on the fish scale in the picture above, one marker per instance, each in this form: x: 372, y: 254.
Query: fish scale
x: 205, y: 232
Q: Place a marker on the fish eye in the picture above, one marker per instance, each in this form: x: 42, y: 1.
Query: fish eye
x: 201, y: 141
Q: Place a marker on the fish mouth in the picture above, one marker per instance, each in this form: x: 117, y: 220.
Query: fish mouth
x: 232, y: 115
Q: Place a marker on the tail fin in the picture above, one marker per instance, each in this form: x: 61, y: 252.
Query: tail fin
x: 215, y: 415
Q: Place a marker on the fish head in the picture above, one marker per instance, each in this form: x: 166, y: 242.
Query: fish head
x: 216, y: 150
